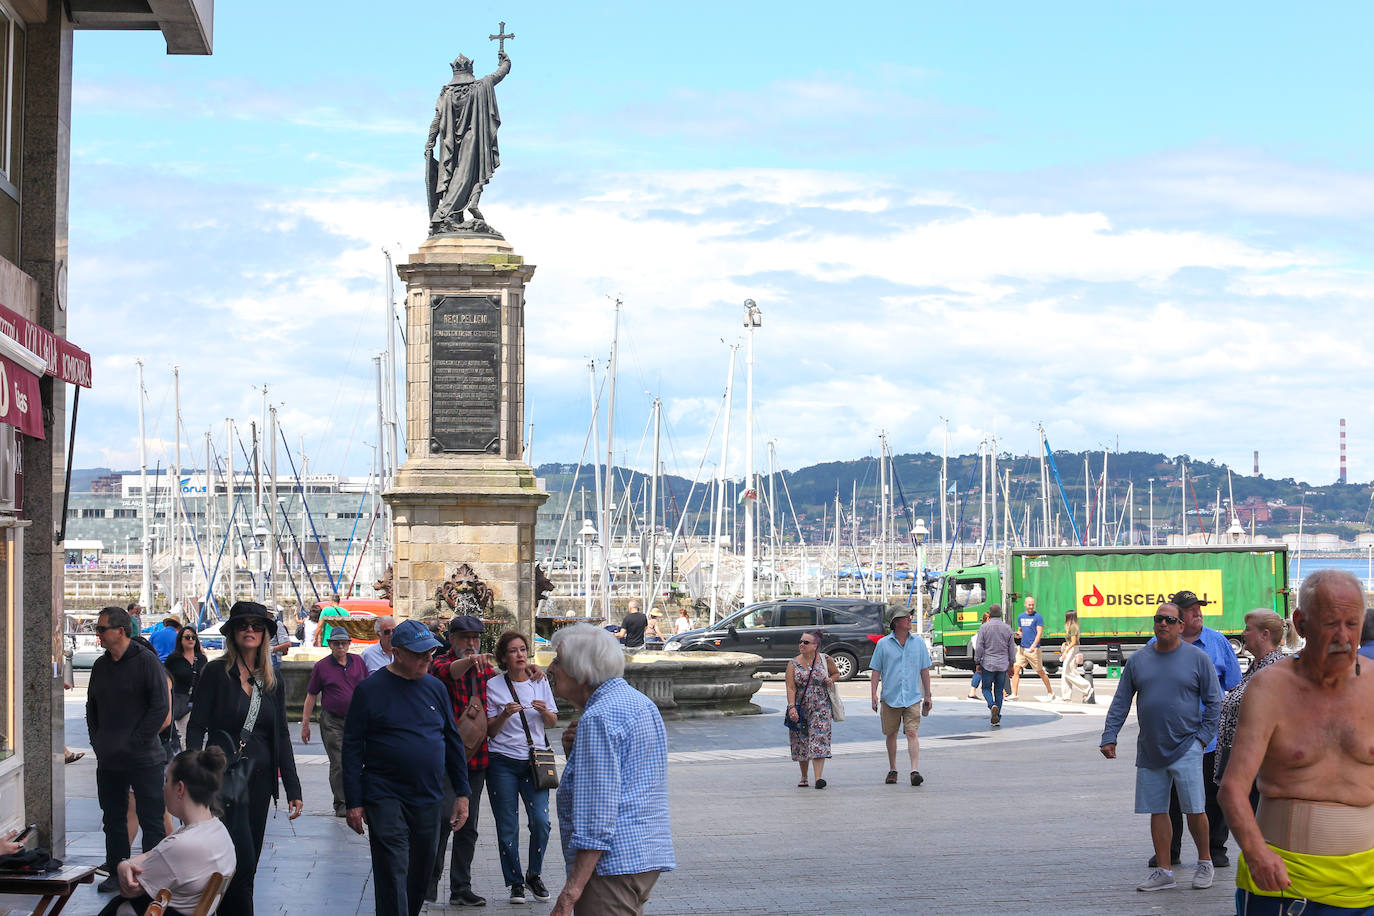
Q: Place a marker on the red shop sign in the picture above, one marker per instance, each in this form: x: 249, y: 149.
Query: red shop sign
x: 20, y: 405
x: 66, y: 361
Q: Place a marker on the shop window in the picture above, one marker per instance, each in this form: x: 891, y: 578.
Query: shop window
x: 12, y: 45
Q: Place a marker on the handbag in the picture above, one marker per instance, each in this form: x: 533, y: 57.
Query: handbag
x: 800, y: 724
x: 472, y: 723
x: 543, y: 769
x: 832, y: 693
x: 238, y: 775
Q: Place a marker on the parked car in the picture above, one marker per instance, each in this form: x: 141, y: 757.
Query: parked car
x: 851, y: 628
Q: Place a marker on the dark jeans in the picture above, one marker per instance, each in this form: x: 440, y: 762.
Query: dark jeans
x: 510, y: 781
x: 464, y: 841
x: 1216, y: 820
x: 1248, y: 904
x: 247, y: 824
x: 139, y: 905
x: 331, y: 735
x: 994, y: 687
x: 403, y: 836
x: 112, y: 787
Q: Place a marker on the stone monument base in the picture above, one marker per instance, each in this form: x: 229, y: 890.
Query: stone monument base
x: 449, y: 510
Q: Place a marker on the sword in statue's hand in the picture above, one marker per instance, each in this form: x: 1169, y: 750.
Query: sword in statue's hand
x: 500, y: 39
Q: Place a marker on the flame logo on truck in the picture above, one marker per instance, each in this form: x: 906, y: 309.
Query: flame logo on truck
x: 1095, y: 599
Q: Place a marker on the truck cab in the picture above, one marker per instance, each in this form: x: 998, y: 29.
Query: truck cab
x: 965, y: 594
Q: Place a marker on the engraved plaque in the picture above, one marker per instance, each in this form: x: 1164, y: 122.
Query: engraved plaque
x: 465, y: 374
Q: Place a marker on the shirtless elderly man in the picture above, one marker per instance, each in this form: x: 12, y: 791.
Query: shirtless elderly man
x: 1306, y: 738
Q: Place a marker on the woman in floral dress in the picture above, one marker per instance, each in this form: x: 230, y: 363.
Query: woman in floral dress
x: 807, y: 677
x: 1264, y: 631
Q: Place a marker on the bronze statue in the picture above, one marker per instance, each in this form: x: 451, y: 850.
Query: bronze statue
x: 464, y: 593
x: 463, y: 135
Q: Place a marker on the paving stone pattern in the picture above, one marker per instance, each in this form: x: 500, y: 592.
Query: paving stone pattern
x: 1028, y: 818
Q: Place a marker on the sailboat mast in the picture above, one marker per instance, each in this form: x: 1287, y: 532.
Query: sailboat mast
x: 272, y: 509
x: 720, y: 486
x: 175, y: 599
x: 609, y: 505
x: 231, y: 523
x: 596, y: 472
x: 649, y: 561
x: 145, y: 589
x: 944, y: 489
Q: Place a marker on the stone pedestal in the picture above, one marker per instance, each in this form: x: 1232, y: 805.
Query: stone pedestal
x: 463, y: 494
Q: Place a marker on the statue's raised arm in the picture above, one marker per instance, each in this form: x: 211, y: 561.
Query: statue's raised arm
x: 461, y: 151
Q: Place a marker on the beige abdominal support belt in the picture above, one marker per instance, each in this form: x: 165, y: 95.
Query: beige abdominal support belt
x: 1315, y: 828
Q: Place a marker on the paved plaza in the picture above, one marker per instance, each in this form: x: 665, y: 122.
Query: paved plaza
x: 1025, y: 818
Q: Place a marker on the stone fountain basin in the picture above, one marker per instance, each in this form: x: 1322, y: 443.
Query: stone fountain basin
x: 683, y: 685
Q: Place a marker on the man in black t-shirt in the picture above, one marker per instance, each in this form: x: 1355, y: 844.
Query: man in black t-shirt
x: 632, y: 627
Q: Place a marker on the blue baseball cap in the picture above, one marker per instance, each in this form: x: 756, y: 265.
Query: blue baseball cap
x: 413, y: 636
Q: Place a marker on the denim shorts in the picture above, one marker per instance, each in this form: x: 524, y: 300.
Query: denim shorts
x: 1185, y: 774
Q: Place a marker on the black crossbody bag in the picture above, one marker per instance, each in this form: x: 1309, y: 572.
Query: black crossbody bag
x: 238, y: 775
x: 543, y: 769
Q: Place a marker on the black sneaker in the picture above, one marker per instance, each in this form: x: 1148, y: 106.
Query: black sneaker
x: 536, y: 886
x: 1219, y: 860
x: 917, y: 778
x: 1154, y: 861
x: 466, y: 898
x: 109, y: 886
x: 517, y: 893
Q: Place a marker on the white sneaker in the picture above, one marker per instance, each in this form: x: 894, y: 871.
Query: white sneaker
x: 1160, y: 880
x: 1203, y: 876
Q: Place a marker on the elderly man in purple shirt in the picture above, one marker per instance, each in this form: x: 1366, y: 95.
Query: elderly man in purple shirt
x: 333, y: 680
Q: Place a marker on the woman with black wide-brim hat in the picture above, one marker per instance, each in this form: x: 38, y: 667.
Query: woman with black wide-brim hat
x: 223, y: 697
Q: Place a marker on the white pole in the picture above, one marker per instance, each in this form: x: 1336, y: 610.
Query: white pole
x: 773, y: 526
x: 653, y: 512
x: 145, y: 589
x: 596, y: 473
x: 1151, y: 532
x: 231, y: 520
x: 944, y: 489
x: 720, y: 486
x: 609, y: 505
x: 175, y: 598
x: 272, y: 515
x: 751, y: 321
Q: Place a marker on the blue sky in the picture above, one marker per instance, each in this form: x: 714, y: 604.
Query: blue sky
x: 1144, y: 224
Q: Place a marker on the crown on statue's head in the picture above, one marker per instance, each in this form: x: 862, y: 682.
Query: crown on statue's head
x: 462, y: 65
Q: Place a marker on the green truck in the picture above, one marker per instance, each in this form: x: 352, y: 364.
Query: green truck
x: 1115, y: 591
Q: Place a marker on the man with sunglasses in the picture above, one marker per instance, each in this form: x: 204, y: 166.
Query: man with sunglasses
x: 1178, y: 707
x: 127, y: 702
x: 378, y: 655
x: 1305, y: 739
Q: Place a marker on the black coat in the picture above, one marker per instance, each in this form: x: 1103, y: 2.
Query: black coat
x: 126, y: 704
x: 219, y: 710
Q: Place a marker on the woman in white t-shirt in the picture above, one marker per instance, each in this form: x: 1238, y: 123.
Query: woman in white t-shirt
x: 184, y: 861
x: 684, y: 622
x: 511, y: 697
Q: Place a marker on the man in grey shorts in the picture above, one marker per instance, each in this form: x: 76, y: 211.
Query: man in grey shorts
x: 1178, y: 705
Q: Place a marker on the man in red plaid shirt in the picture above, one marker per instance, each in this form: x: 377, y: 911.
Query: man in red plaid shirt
x: 464, y: 671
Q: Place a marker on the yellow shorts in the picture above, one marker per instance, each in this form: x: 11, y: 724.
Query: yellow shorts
x: 1030, y: 657
x: 905, y: 718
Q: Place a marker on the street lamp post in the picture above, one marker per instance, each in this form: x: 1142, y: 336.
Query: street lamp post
x: 259, y: 558
x: 588, y: 538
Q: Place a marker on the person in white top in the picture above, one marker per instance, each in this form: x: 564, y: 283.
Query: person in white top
x: 684, y: 622
x: 513, y: 696
x: 379, y: 655
x: 184, y: 861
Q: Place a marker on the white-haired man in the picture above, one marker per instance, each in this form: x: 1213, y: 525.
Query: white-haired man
x: 1304, y: 739
x: 613, y: 799
x: 378, y: 655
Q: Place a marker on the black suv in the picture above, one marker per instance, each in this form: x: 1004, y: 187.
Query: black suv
x: 851, y: 628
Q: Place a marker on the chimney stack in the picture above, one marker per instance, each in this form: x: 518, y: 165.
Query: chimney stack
x: 1342, y: 480
x: 1256, y: 462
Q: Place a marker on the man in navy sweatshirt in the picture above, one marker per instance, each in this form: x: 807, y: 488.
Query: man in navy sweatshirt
x: 399, y: 740
x: 127, y: 702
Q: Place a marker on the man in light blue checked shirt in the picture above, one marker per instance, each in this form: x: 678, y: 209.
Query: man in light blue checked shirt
x: 901, y: 668
x: 613, y: 797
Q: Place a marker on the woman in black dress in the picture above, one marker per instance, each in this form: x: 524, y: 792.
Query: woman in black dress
x: 221, y: 705
x: 184, y: 665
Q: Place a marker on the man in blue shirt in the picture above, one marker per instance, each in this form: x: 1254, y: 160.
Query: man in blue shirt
x: 164, y: 638
x: 1218, y: 649
x: 613, y: 797
x: 399, y: 740
x: 901, y: 668
x: 1028, y: 652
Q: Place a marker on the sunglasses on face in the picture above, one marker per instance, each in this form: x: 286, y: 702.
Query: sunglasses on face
x: 388, y: 632
x: 1170, y: 619
x: 102, y: 629
x: 256, y: 626
x: 807, y: 642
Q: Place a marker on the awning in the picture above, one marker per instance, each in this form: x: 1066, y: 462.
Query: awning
x: 20, y: 404
x: 65, y: 360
